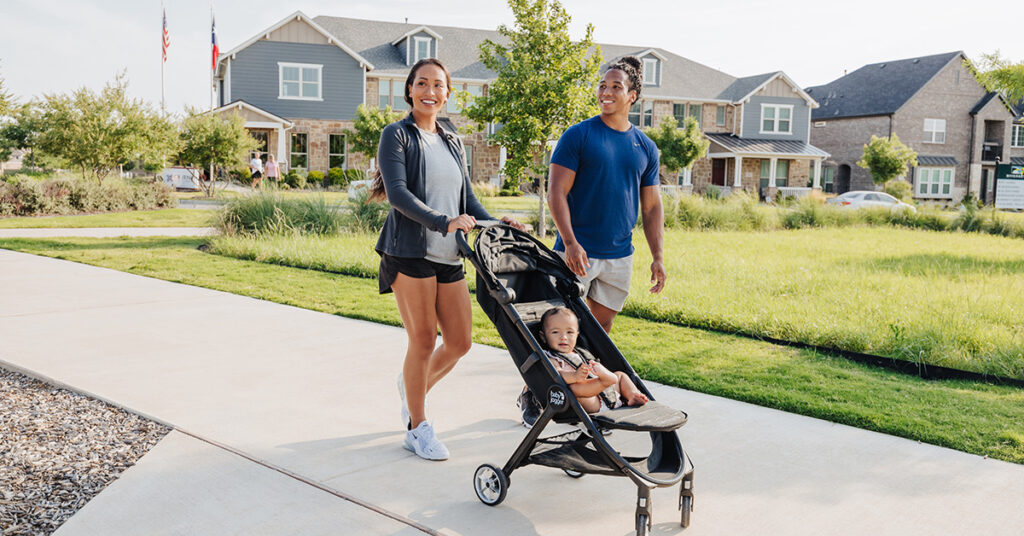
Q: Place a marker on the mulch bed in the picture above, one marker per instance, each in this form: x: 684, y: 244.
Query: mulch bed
x: 58, y: 449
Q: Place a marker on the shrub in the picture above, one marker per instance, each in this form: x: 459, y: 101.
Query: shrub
x: 354, y: 175
x: 267, y: 212
x: 970, y: 219
x: 70, y: 196
x: 292, y: 179
x: 899, y: 189
x: 366, y: 215
x: 484, y: 189
x: 336, y: 178
x: 314, y: 178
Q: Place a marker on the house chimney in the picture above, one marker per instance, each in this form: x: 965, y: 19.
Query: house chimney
x: 407, y: 20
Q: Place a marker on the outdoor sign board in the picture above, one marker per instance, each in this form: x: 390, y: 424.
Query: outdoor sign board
x: 1009, y: 186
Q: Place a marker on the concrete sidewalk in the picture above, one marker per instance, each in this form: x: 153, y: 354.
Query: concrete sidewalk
x: 288, y: 423
x: 106, y: 232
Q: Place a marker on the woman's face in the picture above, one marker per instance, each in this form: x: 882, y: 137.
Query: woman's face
x: 429, y: 91
x: 613, y: 93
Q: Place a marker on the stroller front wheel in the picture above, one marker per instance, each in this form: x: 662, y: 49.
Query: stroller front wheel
x: 573, y: 474
x: 490, y: 484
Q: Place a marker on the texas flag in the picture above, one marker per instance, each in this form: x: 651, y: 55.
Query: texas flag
x: 213, y: 37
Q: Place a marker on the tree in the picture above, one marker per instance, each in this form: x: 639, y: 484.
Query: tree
x: 999, y: 74
x: 7, y: 102
x: 545, y: 83
x: 887, y: 158
x: 679, y: 147
x: 364, y: 136
x: 212, y: 142
x: 100, y: 131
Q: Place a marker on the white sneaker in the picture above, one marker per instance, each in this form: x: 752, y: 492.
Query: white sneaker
x: 405, y: 407
x: 424, y: 443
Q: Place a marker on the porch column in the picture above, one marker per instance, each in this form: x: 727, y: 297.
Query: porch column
x: 282, y: 146
x: 688, y: 176
x: 737, y: 179
x: 771, y: 172
x: 817, y: 174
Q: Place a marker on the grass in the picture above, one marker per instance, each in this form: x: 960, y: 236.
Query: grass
x: 973, y: 417
x: 170, y: 217
x: 511, y: 203
x: 948, y: 299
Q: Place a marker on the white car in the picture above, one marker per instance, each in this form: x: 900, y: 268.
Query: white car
x: 869, y: 199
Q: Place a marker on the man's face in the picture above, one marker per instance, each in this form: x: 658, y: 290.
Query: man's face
x: 613, y: 93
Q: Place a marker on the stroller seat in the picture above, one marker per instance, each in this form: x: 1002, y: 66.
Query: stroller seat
x: 650, y: 417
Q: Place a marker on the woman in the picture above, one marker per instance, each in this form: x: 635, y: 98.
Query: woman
x: 423, y: 173
x: 273, y: 171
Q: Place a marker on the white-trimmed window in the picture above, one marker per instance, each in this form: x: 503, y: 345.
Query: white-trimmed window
x: 776, y: 119
x: 300, y: 81
x: 421, y: 48
x: 781, y: 171
x: 469, y: 159
x: 1017, y: 136
x: 391, y: 92
x: 720, y: 115
x: 934, y: 182
x: 299, y: 157
x: 651, y: 71
x: 935, y: 131
x: 336, y: 151
x: 641, y: 113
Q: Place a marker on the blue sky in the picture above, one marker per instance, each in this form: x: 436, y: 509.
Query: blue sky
x: 58, y: 45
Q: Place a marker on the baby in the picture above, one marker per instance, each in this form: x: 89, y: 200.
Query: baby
x: 589, y: 380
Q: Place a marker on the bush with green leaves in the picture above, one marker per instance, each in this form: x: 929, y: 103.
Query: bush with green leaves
x: 366, y: 215
x: 336, y: 178
x: 77, y: 195
x: 314, y: 179
x: 293, y: 179
x: 900, y: 189
x: 269, y: 213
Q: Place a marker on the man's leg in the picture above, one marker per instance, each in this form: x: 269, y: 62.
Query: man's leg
x: 604, y: 315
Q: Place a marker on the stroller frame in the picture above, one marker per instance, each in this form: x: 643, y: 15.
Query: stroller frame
x: 504, y: 258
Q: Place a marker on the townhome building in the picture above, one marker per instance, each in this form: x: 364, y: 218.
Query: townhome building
x: 936, y: 106
x: 298, y: 84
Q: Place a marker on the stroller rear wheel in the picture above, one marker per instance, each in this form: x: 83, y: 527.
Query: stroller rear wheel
x: 574, y: 474
x: 643, y: 525
x: 685, y: 506
x: 490, y: 484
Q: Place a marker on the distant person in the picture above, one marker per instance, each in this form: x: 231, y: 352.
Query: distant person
x: 256, y: 167
x: 424, y: 176
x: 601, y: 169
x: 595, y: 386
x: 273, y: 170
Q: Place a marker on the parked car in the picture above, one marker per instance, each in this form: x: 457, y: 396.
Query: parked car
x: 869, y: 199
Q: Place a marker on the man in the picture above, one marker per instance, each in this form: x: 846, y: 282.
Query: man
x: 601, y: 169
x: 256, y: 167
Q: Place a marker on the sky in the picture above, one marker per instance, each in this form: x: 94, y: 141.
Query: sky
x: 57, y: 46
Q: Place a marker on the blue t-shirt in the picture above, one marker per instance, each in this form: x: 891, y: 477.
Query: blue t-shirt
x: 604, y: 200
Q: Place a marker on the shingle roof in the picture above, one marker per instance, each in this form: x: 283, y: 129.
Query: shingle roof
x: 982, y: 102
x: 767, y: 147
x: 936, y: 161
x: 878, y: 88
x: 742, y: 87
x: 682, y: 78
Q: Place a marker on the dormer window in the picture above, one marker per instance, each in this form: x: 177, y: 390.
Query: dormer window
x: 421, y: 47
x: 651, y: 71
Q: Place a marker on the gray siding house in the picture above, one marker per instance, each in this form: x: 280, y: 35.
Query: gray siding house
x: 298, y: 84
x: 936, y: 106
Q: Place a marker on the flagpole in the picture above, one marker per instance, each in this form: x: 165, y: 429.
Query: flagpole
x: 211, y: 52
x: 163, y: 50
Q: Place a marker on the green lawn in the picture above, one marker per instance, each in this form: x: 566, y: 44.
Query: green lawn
x: 515, y: 204
x: 972, y: 417
x: 170, y: 217
x: 949, y: 299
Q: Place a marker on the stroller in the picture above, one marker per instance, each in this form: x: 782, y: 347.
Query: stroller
x: 517, y: 279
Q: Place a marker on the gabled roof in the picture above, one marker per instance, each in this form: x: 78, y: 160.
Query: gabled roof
x: 300, y: 16
x: 415, y: 31
x: 878, y: 88
x: 241, y: 104
x: 651, y: 52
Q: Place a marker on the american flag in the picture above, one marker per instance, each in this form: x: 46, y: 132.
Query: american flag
x: 166, y: 40
x: 216, y: 49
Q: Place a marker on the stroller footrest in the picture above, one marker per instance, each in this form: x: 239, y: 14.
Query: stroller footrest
x: 650, y: 417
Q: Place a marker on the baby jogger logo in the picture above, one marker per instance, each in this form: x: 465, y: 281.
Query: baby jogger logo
x: 556, y: 397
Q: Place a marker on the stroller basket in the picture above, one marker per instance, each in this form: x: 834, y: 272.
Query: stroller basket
x: 518, y: 279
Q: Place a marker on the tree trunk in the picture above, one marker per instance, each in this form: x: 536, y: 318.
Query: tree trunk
x: 542, y: 228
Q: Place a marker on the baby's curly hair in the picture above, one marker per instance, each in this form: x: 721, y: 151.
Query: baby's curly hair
x: 632, y: 68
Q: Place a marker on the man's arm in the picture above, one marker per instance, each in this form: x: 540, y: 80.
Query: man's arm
x: 653, y: 217
x: 560, y: 181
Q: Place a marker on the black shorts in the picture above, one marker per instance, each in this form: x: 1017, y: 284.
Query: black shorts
x: 256, y: 175
x: 418, y: 268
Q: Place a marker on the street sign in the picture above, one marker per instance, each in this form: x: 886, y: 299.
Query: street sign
x: 1009, y: 186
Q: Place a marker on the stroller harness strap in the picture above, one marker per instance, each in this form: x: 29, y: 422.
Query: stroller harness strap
x: 609, y: 396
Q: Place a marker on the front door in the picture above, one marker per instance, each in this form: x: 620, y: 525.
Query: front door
x: 718, y: 172
x: 262, y: 138
x: 986, y: 186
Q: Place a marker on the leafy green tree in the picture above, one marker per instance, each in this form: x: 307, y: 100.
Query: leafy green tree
x: 679, y: 147
x: 545, y: 83
x: 887, y: 158
x: 100, y: 131
x: 20, y: 131
x: 364, y: 136
x: 215, y: 142
x: 6, y: 100
x: 999, y: 74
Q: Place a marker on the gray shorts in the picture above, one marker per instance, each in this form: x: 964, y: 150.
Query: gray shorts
x: 607, y: 281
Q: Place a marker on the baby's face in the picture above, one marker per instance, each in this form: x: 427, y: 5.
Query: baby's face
x: 561, y: 331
